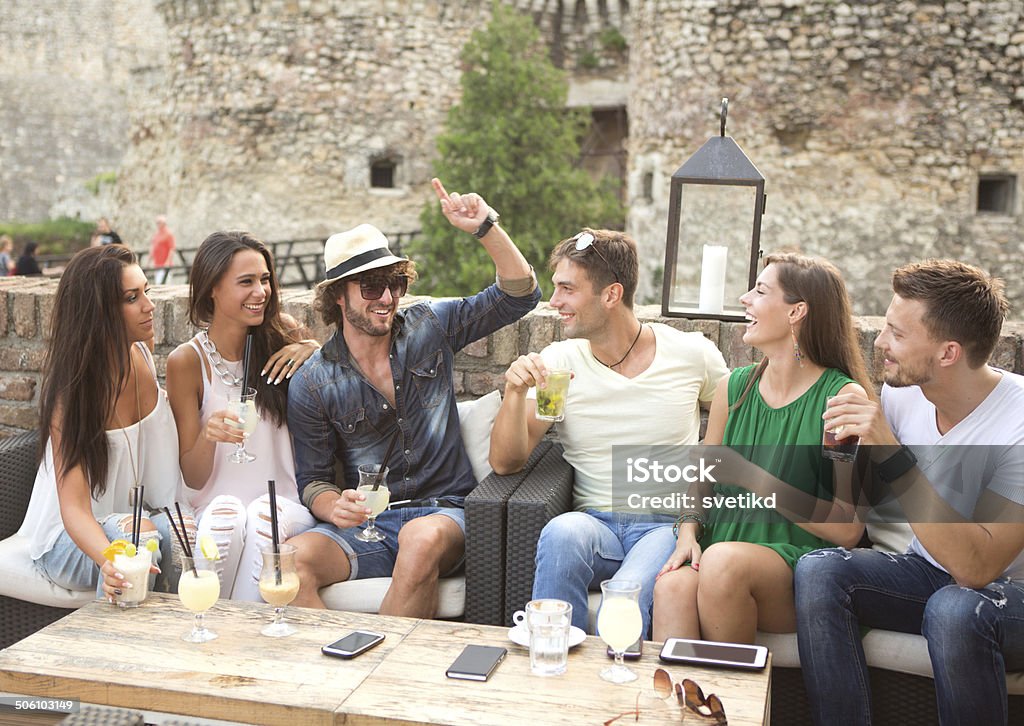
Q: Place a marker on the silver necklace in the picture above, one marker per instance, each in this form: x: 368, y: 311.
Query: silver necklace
x: 219, y: 366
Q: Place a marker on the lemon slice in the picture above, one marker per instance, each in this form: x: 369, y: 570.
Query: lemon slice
x: 152, y: 545
x: 130, y: 550
x: 115, y: 548
x: 208, y: 547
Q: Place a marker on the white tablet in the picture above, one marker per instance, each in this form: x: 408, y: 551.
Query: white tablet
x: 711, y: 653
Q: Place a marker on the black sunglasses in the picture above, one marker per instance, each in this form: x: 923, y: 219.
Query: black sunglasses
x: 585, y: 240
x: 372, y: 288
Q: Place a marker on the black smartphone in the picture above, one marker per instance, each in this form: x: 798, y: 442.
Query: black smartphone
x: 633, y: 652
x: 476, y: 662
x: 356, y: 642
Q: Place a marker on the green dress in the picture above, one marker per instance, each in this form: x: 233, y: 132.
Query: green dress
x: 785, y: 441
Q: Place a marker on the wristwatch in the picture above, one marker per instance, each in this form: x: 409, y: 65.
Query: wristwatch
x: 485, y: 226
x: 896, y: 465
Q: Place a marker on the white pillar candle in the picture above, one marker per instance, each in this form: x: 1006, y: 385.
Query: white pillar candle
x: 712, y: 279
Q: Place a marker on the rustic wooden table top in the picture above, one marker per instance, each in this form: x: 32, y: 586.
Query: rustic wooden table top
x: 136, y: 659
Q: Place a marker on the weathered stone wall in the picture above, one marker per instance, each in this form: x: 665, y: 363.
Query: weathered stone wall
x: 276, y: 109
x: 27, y: 303
x: 70, y: 75
x: 870, y: 120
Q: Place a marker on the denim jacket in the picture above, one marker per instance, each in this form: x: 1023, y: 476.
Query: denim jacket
x: 334, y: 412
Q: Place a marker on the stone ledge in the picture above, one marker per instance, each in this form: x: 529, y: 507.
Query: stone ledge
x: 25, y: 304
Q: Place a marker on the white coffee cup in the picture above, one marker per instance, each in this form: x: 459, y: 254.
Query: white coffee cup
x: 548, y: 622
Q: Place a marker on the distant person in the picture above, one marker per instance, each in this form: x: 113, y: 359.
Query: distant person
x: 104, y: 235
x: 6, y: 252
x: 161, y: 251
x: 27, y: 264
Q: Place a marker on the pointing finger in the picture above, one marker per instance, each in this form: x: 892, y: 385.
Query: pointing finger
x: 440, y: 190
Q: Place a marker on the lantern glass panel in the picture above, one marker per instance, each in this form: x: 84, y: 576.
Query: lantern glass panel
x: 715, y: 215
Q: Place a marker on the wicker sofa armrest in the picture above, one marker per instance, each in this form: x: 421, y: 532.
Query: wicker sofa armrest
x: 543, y: 495
x: 485, y: 542
x: 18, y: 465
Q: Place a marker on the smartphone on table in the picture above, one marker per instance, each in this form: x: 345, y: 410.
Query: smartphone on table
x: 633, y: 652
x: 353, y: 644
x: 476, y: 662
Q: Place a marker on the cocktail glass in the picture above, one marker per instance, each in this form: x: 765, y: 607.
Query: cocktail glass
x: 242, y: 404
x: 136, y: 573
x: 834, y: 447
x: 619, y: 624
x: 551, y: 398
x: 377, y: 499
x: 198, y: 589
x: 279, y: 584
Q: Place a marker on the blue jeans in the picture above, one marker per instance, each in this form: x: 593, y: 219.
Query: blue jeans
x: 377, y: 559
x: 577, y: 550
x: 974, y: 635
x: 65, y: 565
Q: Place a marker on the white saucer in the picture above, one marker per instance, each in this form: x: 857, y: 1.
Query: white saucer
x: 520, y: 636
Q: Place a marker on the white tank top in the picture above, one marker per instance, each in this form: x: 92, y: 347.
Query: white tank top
x: 149, y: 447
x: 269, y: 443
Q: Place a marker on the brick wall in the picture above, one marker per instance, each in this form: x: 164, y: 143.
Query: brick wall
x: 26, y: 305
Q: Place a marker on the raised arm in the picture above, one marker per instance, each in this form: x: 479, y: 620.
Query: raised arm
x: 467, y: 212
x: 517, y: 431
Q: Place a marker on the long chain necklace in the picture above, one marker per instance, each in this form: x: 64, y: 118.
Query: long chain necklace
x: 627, y: 352
x: 219, y: 366
x: 138, y: 413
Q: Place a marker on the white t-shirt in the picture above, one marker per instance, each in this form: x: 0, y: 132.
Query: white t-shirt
x: 965, y: 460
x: 604, y: 408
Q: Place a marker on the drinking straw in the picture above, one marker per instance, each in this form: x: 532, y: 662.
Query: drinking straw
x: 245, y: 363
x: 184, y: 534
x: 139, y: 499
x: 135, y: 516
x: 387, y: 455
x: 181, y: 540
x: 271, y: 490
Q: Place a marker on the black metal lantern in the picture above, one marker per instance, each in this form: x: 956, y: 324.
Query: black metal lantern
x: 714, y: 231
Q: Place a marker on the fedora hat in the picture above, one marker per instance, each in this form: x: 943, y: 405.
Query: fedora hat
x: 359, y: 249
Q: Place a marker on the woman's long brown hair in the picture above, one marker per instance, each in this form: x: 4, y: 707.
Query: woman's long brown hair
x: 88, y: 359
x: 827, y: 336
x: 208, y: 267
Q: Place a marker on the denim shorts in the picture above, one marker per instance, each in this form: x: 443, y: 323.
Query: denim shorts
x: 66, y: 566
x: 377, y: 559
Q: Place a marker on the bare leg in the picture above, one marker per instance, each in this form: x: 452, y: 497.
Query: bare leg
x: 744, y: 587
x: 675, y: 605
x: 427, y: 547
x: 319, y: 561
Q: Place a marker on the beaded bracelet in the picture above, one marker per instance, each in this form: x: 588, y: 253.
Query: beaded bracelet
x: 689, y: 517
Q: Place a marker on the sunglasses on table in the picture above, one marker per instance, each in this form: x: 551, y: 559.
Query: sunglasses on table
x: 372, y: 287
x: 689, y: 697
x: 585, y: 241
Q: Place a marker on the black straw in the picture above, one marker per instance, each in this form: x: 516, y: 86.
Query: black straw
x: 184, y: 533
x: 245, y: 363
x: 387, y: 455
x: 181, y: 540
x: 271, y: 490
x: 135, y: 516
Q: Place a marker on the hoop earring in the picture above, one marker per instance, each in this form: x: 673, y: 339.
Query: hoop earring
x: 796, y: 347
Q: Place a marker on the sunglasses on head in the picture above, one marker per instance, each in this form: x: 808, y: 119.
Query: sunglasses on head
x: 584, y: 241
x: 372, y: 287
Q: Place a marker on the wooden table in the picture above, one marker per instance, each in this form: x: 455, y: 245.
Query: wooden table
x: 136, y: 659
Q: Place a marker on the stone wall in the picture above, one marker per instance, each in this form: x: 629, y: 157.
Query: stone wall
x: 70, y: 76
x: 27, y: 303
x: 870, y: 120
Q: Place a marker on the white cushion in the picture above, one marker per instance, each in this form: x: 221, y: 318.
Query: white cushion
x: 20, y: 579
x: 365, y: 596
x: 476, y: 418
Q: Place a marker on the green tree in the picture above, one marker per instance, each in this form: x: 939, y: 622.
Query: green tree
x: 512, y: 140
